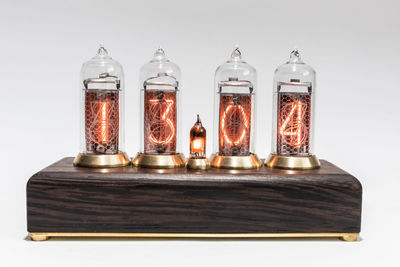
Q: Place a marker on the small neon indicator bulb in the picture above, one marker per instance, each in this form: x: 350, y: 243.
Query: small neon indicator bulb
x: 198, y: 158
x: 198, y: 140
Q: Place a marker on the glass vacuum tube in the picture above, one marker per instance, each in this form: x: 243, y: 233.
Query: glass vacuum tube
x: 160, y: 107
x: 102, y: 82
x: 197, y: 158
x: 198, y: 140
x: 235, y: 83
x: 293, y: 113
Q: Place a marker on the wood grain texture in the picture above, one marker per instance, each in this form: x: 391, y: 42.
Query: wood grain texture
x: 63, y: 198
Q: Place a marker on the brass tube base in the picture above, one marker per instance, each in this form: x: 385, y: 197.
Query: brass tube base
x: 292, y: 163
x: 197, y: 164
x: 235, y: 162
x: 102, y: 161
x: 159, y: 161
x: 342, y: 236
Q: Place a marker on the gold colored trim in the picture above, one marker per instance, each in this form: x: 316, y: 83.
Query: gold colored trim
x: 235, y: 162
x: 349, y: 237
x: 39, y: 237
x: 102, y: 161
x: 159, y: 161
x: 292, y: 163
x: 342, y: 236
x: 197, y: 164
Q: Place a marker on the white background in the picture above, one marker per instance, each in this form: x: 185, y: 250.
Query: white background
x: 353, y: 45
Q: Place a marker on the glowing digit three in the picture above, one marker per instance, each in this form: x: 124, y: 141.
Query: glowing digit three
x: 297, y: 105
x: 223, y: 125
x: 165, y: 119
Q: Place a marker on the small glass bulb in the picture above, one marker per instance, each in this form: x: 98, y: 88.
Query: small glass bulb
x: 198, y: 140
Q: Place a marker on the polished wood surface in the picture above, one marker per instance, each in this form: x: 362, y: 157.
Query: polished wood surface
x: 64, y: 198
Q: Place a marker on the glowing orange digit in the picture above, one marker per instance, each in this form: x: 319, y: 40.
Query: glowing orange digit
x: 292, y: 127
x: 166, y: 119
x: 197, y: 145
x: 245, y: 122
x: 103, y: 122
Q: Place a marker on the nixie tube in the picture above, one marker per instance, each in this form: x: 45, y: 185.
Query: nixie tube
x: 160, y: 127
x: 197, y: 158
x: 293, y: 107
x: 235, y: 83
x: 101, y: 117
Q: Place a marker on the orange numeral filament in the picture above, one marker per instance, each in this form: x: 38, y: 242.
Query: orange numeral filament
x: 103, y: 123
x: 296, y: 126
x: 223, y: 125
x: 166, y: 119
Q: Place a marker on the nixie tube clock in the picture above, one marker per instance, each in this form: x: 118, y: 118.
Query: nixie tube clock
x: 197, y: 158
x: 160, y: 117
x: 102, y: 82
x: 234, y: 105
x: 293, y: 113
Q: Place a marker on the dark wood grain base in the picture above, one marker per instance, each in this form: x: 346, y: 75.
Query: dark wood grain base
x: 63, y: 200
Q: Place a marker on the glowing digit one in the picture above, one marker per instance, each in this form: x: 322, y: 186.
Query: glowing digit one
x: 293, y: 127
x: 103, y: 123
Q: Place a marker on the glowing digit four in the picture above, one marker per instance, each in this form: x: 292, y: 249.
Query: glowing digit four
x: 295, y: 128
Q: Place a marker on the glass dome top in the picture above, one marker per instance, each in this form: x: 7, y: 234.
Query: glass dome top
x: 103, y: 71
x: 295, y: 70
x: 236, y: 72
x: 160, y: 71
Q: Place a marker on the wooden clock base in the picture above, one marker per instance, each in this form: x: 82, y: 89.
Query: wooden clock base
x: 68, y: 201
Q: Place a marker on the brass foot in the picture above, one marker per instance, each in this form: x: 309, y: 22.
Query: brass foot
x: 349, y: 237
x: 38, y: 237
x: 235, y: 162
x: 159, y: 161
x: 197, y: 164
x: 102, y: 161
x: 292, y: 163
